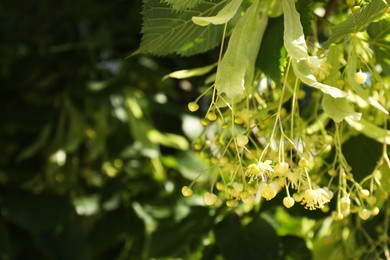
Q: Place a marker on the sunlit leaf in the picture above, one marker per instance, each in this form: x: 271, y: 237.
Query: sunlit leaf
x: 183, y: 74
x: 339, y: 108
x: 370, y: 130
x: 167, y: 139
x: 358, y: 21
x: 180, y: 5
x: 222, y: 17
x: 237, y: 65
x: 166, y: 31
x: 302, y: 71
x: 294, y: 39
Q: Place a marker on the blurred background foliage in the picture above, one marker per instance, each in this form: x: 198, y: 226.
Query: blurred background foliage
x: 94, y: 147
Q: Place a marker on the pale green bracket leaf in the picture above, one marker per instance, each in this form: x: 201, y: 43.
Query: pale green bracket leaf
x: 302, y: 71
x: 180, y: 5
x: 339, y: 109
x: 166, y: 31
x: 350, y: 70
x: 370, y: 130
x: 169, y: 140
x: 184, y: 74
x: 222, y: 17
x: 237, y: 65
x: 357, y: 22
x: 294, y: 39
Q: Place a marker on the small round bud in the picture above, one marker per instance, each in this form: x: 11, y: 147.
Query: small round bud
x: 365, y: 193
x: 186, y: 191
x: 337, y: 216
x: 204, y: 121
x: 355, y: 9
x: 220, y: 186
x: 242, y: 140
x: 371, y: 200
x: 303, y: 163
x: 378, y: 86
x: 193, y: 106
x: 364, y: 214
x: 288, y: 202
x: 238, y: 186
x: 209, y: 198
x: 230, y: 203
x: 281, y: 168
x: 374, y: 211
x: 238, y: 120
x: 360, y: 77
x: 211, y: 116
x: 332, y: 173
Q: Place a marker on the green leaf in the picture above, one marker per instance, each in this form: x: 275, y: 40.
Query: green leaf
x: 166, y: 31
x: 362, y: 154
x: 37, y: 213
x: 370, y: 130
x: 183, y: 74
x: 180, y: 5
x: 379, y: 33
x: 302, y: 71
x: 270, y: 56
x: 168, y: 139
x: 339, y: 109
x: 236, y: 69
x: 357, y: 22
x: 294, y: 39
x: 222, y: 17
x: 257, y: 240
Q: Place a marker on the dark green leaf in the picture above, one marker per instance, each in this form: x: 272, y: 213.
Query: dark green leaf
x: 362, y: 154
x: 257, y: 240
x: 270, y: 56
x: 379, y: 33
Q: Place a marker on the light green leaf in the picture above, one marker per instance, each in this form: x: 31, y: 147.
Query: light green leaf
x: 302, y: 71
x: 166, y: 31
x: 222, y: 17
x: 370, y: 130
x: 183, y: 74
x: 180, y: 5
x: 357, y: 22
x: 350, y: 70
x: 167, y: 139
x: 294, y: 39
x: 339, y: 109
x: 236, y: 68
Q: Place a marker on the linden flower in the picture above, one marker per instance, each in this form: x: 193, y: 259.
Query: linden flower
x: 319, y: 68
x: 255, y: 172
x: 315, y: 199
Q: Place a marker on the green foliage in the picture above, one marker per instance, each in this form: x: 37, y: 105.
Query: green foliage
x: 166, y: 31
x: 180, y: 5
x: 356, y: 22
x: 96, y: 148
x: 235, y: 72
x: 379, y: 38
